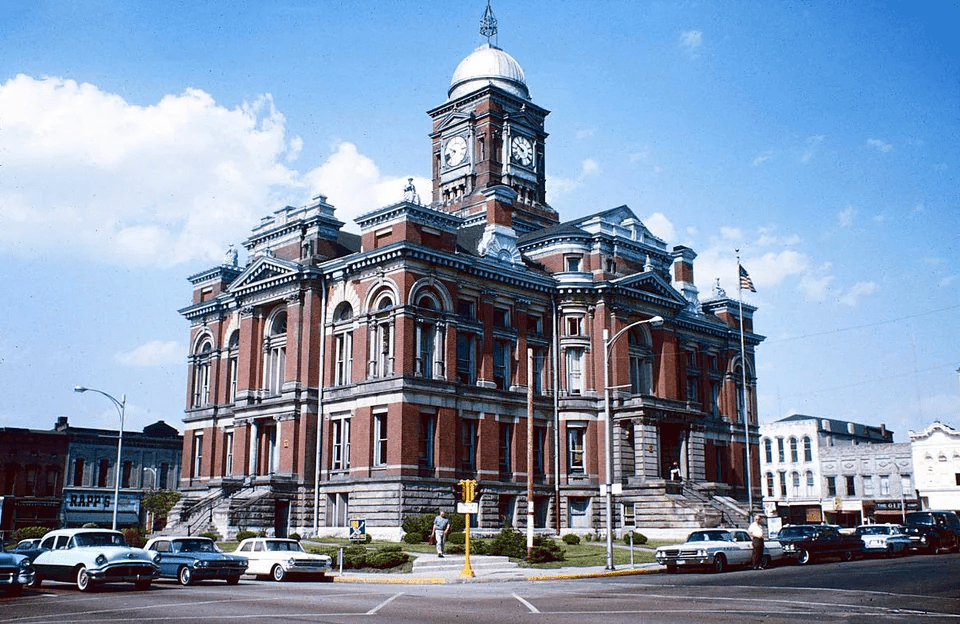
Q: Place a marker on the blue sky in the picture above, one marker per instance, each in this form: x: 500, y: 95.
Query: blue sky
x: 822, y: 139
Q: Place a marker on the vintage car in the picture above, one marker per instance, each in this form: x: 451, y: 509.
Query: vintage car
x: 31, y: 543
x: 717, y: 549
x: 883, y: 539
x: 805, y: 543
x: 90, y: 557
x: 279, y: 557
x: 934, y: 531
x: 190, y: 559
x: 15, y: 572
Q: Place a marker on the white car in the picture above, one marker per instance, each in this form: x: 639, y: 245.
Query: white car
x: 717, y: 549
x: 90, y: 557
x: 884, y: 539
x: 280, y: 557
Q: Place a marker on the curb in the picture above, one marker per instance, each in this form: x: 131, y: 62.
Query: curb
x: 397, y: 580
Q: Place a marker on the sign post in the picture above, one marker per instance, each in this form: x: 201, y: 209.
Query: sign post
x: 468, y: 506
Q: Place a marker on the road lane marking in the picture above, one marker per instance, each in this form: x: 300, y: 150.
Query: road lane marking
x: 526, y: 603
x: 374, y: 610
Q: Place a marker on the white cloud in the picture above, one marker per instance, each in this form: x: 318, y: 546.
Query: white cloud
x: 845, y: 217
x: 154, y: 353
x: 810, y: 147
x: 558, y: 187
x: 881, y: 146
x: 852, y: 296
x: 691, y: 40
x: 585, y: 133
x: 88, y: 174
x: 660, y: 226
x: 762, y: 158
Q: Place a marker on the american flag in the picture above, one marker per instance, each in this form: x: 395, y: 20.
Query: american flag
x: 745, y: 281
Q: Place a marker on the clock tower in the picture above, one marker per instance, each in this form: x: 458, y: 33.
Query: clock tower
x: 489, y: 143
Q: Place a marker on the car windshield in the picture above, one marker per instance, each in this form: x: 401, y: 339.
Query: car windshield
x: 98, y: 539
x: 284, y: 545
x: 794, y: 532
x: 873, y: 530
x: 709, y: 536
x: 195, y: 545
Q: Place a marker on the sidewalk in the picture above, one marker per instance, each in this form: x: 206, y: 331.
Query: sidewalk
x: 430, y: 570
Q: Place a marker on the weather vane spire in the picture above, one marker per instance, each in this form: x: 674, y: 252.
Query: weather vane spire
x: 488, y: 23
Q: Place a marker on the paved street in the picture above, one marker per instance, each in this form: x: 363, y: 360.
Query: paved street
x: 913, y: 589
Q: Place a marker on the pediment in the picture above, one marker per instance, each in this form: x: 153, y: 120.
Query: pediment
x: 653, y: 284
x: 263, y: 272
x: 453, y: 118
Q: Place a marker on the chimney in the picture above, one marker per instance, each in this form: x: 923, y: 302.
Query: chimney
x: 683, y: 258
x: 62, y: 423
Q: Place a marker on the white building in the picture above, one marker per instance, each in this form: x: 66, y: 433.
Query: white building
x: 936, y: 457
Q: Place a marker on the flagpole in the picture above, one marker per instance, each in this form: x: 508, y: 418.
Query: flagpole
x: 746, y: 410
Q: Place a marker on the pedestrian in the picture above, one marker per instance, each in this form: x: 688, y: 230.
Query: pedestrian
x: 441, y: 527
x: 675, y: 472
x: 756, y: 537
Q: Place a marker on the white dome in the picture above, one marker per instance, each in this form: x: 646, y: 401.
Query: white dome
x: 488, y: 65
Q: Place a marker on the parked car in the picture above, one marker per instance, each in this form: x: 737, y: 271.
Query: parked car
x: 190, y: 559
x: 90, y: 557
x: 883, y: 539
x: 279, y: 557
x: 27, y: 544
x: 717, y: 549
x: 15, y: 572
x: 808, y: 542
x: 934, y: 531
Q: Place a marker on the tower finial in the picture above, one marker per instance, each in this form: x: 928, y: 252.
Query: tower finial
x: 488, y: 23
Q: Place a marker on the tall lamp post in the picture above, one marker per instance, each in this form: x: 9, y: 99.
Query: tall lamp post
x: 120, y: 405
x: 608, y: 424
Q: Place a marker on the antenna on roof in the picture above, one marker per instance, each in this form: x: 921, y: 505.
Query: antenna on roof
x: 488, y: 23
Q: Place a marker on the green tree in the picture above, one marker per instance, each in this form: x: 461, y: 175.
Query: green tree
x: 160, y: 502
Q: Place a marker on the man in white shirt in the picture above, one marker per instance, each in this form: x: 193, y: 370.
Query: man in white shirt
x: 756, y: 538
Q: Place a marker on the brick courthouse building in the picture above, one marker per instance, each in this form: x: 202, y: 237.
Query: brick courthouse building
x: 338, y: 376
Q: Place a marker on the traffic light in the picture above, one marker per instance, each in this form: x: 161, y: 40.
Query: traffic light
x: 458, y: 490
x: 469, y: 490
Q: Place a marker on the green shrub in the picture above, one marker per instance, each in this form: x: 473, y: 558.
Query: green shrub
x: 508, y: 543
x: 571, y: 538
x: 422, y: 524
x: 545, y: 550
x: 355, y: 556
x: 212, y: 535
x: 295, y: 536
x: 387, y: 557
x: 459, y: 549
x: 367, y: 538
x: 457, y: 537
x: 243, y: 534
x: 134, y: 537
x: 480, y: 546
x: 638, y: 538
x: 30, y: 532
x: 413, y: 538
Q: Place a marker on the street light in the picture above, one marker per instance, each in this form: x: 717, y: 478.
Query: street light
x: 120, y: 408
x: 608, y: 424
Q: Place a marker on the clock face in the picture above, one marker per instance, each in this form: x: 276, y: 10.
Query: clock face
x: 455, y: 151
x: 521, y: 149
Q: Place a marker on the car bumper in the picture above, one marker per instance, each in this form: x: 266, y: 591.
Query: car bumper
x: 688, y: 561
x: 218, y: 573
x: 124, y: 573
x: 16, y: 577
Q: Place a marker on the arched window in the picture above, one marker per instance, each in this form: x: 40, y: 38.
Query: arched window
x: 807, y: 449
x: 233, y: 363
x: 793, y: 450
x: 430, y: 339
x: 768, y: 450
x: 770, y: 484
x: 641, y: 362
x: 795, y: 484
x: 810, y: 483
x: 381, y: 339
x: 275, y: 354
x: 343, y: 344
x: 202, y: 363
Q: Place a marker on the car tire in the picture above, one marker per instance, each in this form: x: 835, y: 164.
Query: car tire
x: 36, y: 582
x: 719, y: 563
x: 277, y: 573
x: 803, y: 556
x: 847, y: 555
x: 185, y: 575
x: 83, y: 579
x: 233, y: 580
x: 144, y: 584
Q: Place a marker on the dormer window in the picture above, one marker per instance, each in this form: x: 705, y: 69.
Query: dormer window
x: 573, y: 263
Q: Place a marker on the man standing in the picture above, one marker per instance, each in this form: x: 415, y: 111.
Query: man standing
x: 756, y: 537
x: 441, y: 527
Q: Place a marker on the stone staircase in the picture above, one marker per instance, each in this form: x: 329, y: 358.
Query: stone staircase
x: 429, y: 565
x: 686, y: 507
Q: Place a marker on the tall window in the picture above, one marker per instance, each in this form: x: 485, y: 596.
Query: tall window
x: 338, y: 509
x: 233, y: 365
x: 781, y: 457
x: 851, y: 486
x: 429, y: 358
x: 783, y: 484
x: 468, y: 445
x: 692, y: 395
x: 539, y: 450
x: 53, y: 478
x: 629, y: 515
x: 228, y: 445
x: 341, y: 444
x: 715, y: 399
x: 343, y: 344
x: 641, y: 358
x: 793, y: 450
x: 831, y: 486
x: 126, y: 473
x: 539, y: 359
x: 810, y: 483
x: 32, y: 472
x: 197, y: 454
x: 380, y: 439
x: 768, y: 450
x: 506, y: 450
x: 575, y: 382
x: 381, y: 340
x: 275, y: 350
x: 104, y: 469
x: 795, y: 484
x: 426, y: 434
x: 770, y: 484
x: 807, y: 449
x: 502, y: 357
x: 201, y: 374
x: 575, y: 450
x: 574, y: 325
x: 78, y: 472
x: 884, y: 485
x: 466, y: 359
x: 164, y: 471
